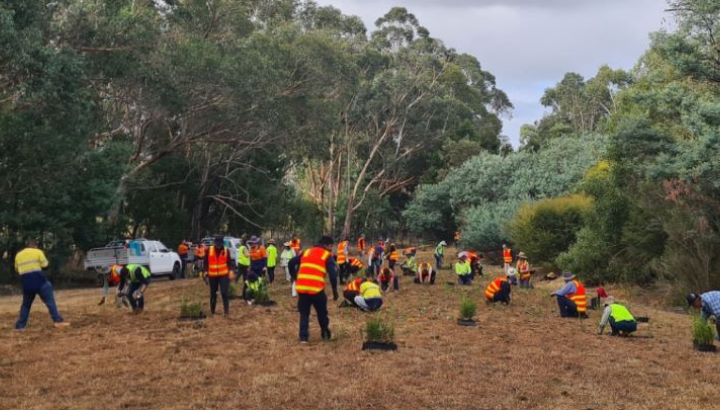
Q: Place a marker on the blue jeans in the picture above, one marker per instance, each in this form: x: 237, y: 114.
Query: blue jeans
x: 568, y: 308
x: 136, y: 304
x: 626, y: 326
x: 439, y: 260
x: 47, y: 296
x: 465, y: 279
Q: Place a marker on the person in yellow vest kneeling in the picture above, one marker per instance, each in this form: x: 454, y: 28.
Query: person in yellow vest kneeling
x: 370, y: 297
x: 571, y: 298
x: 134, y: 280
x: 619, y: 317
x: 315, y: 263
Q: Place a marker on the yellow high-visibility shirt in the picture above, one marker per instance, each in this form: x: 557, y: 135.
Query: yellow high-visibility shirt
x: 30, y: 260
x: 370, y: 290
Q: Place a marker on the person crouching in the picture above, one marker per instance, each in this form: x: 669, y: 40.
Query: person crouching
x: 370, y: 298
x: 134, y: 280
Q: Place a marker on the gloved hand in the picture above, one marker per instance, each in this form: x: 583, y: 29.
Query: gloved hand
x: 137, y: 295
x: 335, y: 295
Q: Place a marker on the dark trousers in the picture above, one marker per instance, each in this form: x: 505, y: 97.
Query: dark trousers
x: 271, y: 274
x: 567, y: 307
x: 242, y: 272
x: 343, y: 272
x: 626, y: 326
x: 384, y: 285
x: 439, y: 261
x: 223, y: 284
x: 47, y: 296
x: 319, y: 302
x: 466, y: 279
x: 183, y: 261
x: 349, y: 295
x: 503, y: 295
x: 139, y: 303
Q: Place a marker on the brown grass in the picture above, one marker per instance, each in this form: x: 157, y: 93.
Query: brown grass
x: 519, y: 357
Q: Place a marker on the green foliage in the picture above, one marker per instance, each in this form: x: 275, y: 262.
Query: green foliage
x: 378, y: 329
x: 261, y: 295
x: 468, y: 309
x: 703, y: 334
x: 190, y: 309
x: 547, y: 228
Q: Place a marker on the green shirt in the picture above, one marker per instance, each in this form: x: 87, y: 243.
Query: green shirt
x: 243, y: 258
x: 439, y: 250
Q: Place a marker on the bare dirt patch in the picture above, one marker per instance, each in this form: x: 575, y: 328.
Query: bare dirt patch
x: 523, y: 356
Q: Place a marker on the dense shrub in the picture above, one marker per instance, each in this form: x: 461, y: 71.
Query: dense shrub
x: 545, y: 229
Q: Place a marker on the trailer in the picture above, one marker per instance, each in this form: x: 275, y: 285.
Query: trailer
x: 154, y: 255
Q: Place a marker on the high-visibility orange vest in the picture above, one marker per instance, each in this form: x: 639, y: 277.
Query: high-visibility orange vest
x: 200, y: 251
x: 361, y: 244
x: 457, y: 236
x: 494, y: 287
x: 295, y: 245
x: 182, y: 249
x: 507, y: 255
x: 341, y: 256
x: 217, y: 264
x: 579, y: 297
x: 311, y: 276
x: 410, y: 250
x: 356, y: 263
x: 354, y: 285
x: 523, y: 268
x: 114, y: 277
x: 394, y: 255
x: 472, y: 256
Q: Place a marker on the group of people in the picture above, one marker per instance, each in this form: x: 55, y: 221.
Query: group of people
x: 308, y: 270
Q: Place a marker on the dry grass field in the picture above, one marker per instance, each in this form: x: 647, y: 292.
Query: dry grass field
x: 523, y: 356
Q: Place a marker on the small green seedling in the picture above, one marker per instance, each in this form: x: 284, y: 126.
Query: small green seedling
x: 379, y: 330
x: 468, y: 309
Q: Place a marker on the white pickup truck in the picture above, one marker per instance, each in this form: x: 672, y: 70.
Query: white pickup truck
x: 151, y: 254
x: 233, y: 244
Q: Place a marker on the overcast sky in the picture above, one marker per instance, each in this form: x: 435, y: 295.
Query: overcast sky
x: 530, y: 44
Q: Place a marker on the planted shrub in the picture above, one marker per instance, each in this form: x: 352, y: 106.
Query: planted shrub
x: 468, y: 308
x: 703, y: 334
x: 262, y: 296
x: 379, y: 330
x: 190, y: 309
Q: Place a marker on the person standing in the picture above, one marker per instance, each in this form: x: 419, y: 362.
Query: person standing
x: 295, y: 244
x: 342, y: 258
x: 135, y: 280
x: 29, y: 264
x: 440, y: 254
x: 285, y: 256
x: 315, y: 264
x: 523, y: 269
x: 507, y: 257
x: 243, y: 260
x: 271, y: 260
x: 183, y: 253
x: 361, y: 244
x: 378, y: 252
x: 219, y: 272
x: 200, y: 251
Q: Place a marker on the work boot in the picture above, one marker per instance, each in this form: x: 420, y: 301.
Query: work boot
x: 326, y: 335
x: 102, y: 301
x: 61, y: 325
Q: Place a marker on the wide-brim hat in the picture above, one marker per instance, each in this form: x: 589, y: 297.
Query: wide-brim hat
x: 462, y: 255
x: 287, y: 244
x: 568, y: 276
x: 254, y: 239
x: 443, y: 243
x: 522, y: 255
x: 609, y: 301
x: 271, y: 241
x: 511, y: 272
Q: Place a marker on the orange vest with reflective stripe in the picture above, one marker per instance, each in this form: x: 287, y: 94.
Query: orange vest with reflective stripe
x: 523, y: 268
x: 494, y: 287
x: 354, y: 286
x: 217, y: 264
x: 257, y: 253
x: 361, y: 244
x: 394, y: 256
x: 311, y: 276
x: 356, y: 262
x: 579, y: 297
x: 200, y: 251
x: 341, y: 257
x: 295, y: 245
x: 507, y: 255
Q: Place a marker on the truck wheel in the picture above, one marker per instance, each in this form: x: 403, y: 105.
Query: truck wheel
x: 175, y: 272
